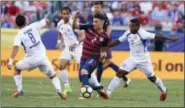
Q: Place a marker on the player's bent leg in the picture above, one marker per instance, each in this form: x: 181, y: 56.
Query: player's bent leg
x: 93, y: 80
x: 99, y: 71
x: 147, y: 68
x: 56, y: 83
x: 18, y: 82
x: 125, y: 78
x: 47, y: 69
x: 160, y: 85
x: 63, y: 74
x: 115, y: 81
x: 84, y: 77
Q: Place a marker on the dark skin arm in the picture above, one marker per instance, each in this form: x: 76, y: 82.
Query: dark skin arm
x: 117, y: 42
x: 75, y: 25
x: 160, y: 37
x: 113, y: 44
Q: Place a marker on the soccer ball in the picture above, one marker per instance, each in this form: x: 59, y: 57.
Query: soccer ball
x: 86, y: 91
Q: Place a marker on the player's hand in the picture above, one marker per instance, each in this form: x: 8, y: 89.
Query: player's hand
x: 10, y: 63
x: 174, y: 39
x: 72, y: 47
x: 77, y: 14
x: 58, y: 46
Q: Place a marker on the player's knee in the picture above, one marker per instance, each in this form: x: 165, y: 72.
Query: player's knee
x: 16, y: 70
x: 62, y: 67
x: 152, y: 79
x: 83, y: 72
x: 51, y: 74
x: 119, y: 74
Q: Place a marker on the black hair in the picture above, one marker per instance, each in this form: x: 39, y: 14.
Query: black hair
x: 98, y: 3
x: 99, y: 16
x: 66, y: 8
x: 136, y: 21
x: 20, y: 20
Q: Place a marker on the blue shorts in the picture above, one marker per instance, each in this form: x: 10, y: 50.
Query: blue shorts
x: 88, y: 64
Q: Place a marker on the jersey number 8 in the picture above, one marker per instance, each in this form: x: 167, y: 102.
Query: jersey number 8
x: 31, y: 37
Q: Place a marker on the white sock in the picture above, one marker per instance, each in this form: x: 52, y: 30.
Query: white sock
x: 93, y: 80
x: 64, y: 77
x: 56, y: 83
x: 160, y: 85
x: 113, y: 85
x: 18, y: 82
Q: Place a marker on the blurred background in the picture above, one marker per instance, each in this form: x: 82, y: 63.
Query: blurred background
x: 160, y: 17
x: 165, y: 17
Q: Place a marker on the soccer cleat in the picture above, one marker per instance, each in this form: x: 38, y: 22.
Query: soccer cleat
x: 68, y: 90
x: 127, y: 83
x: 62, y: 95
x: 102, y: 93
x: 163, y: 95
x: 16, y: 94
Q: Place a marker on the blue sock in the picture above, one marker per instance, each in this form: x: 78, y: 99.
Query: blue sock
x: 99, y: 71
x: 85, y: 80
x: 114, y: 67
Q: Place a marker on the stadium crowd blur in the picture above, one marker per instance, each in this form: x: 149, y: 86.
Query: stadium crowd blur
x: 161, y: 13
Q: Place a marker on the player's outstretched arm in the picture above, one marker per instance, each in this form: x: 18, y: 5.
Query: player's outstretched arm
x: 13, y: 54
x: 75, y: 25
x: 42, y: 23
x: 115, y: 43
x: 166, y: 38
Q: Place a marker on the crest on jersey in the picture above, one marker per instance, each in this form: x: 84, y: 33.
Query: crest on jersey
x: 101, y: 39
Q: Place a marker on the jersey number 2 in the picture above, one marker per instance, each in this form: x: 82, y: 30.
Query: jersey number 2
x: 93, y: 40
x: 31, y: 37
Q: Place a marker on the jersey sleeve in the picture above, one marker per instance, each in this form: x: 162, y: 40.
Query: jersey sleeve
x: 107, y: 22
x: 123, y: 37
x: 17, y: 40
x: 58, y: 26
x: 40, y: 24
x: 147, y: 35
x: 85, y: 26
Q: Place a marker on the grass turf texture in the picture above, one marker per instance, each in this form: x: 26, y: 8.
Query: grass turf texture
x: 142, y: 93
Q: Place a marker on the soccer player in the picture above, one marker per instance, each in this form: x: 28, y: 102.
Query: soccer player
x: 95, y: 39
x: 73, y: 47
x: 107, y: 63
x: 139, y: 56
x: 35, y: 54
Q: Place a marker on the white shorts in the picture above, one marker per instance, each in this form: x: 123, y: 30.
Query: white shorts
x: 70, y: 55
x: 146, y: 67
x: 43, y: 64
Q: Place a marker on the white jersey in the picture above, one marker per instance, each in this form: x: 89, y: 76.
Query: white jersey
x: 137, y: 43
x: 67, y: 32
x: 29, y: 37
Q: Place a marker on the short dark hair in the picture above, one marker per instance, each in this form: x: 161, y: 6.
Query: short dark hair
x: 98, y: 3
x: 66, y: 8
x: 99, y: 16
x: 20, y: 20
x: 136, y: 21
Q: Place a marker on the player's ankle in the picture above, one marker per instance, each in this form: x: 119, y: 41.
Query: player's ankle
x: 108, y: 93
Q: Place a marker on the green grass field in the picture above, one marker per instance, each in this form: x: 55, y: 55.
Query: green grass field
x: 141, y: 93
